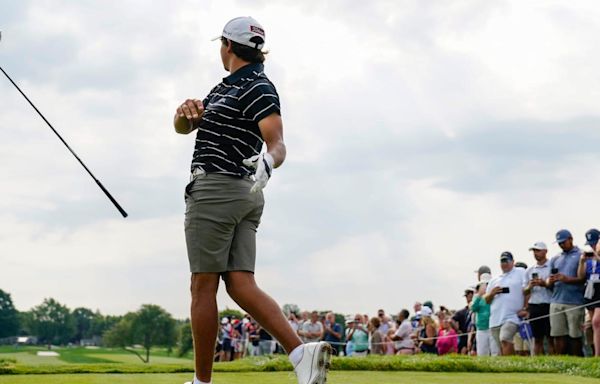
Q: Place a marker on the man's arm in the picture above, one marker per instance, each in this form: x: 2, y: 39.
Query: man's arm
x: 271, y: 128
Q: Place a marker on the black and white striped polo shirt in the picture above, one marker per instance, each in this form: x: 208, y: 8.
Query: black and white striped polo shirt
x: 228, y: 131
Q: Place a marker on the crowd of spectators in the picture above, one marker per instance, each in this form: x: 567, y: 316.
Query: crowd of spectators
x: 551, y: 307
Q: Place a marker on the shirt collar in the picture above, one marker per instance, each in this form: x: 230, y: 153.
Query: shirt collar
x: 245, y: 71
x: 575, y: 249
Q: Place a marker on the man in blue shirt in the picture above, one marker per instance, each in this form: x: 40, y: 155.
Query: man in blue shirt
x: 333, y: 332
x: 567, y: 293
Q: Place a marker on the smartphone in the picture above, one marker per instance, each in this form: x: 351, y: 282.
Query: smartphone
x: 534, y: 275
x: 505, y: 290
x: 554, y: 271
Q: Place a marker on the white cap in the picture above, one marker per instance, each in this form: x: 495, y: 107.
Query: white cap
x: 246, y: 31
x: 225, y: 320
x: 485, y: 278
x: 426, y: 312
x: 539, y: 246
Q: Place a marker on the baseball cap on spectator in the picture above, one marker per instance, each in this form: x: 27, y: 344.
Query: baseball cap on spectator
x: 244, y: 30
x: 225, y: 320
x: 539, y: 246
x: 428, y: 304
x: 506, y: 256
x: 485, y: 278
x: 484, y: 269
x: 469, y: 290
x: 592, y: 236
x: 520, y: 264
x: 426, y: 311
x: 563, y: 235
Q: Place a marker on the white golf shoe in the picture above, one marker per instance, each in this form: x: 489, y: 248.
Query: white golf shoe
x: 316, y: 359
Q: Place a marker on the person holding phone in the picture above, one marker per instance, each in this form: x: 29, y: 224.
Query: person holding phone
x: 566, y: 311
x: 538, y: 298
x: 506, y: 298
x: 589, y: 269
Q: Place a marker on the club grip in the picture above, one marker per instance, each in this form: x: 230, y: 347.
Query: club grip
x: 112, y: 199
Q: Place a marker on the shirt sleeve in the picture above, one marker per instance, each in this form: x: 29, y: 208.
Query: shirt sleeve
x: 259, y: 100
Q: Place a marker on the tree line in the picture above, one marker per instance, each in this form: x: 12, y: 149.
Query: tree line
x: 53, y: 323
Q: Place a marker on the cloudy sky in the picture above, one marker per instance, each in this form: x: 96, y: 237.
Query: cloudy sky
x: 424, y: 138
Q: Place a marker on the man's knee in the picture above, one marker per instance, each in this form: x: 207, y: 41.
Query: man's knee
x: 204, y: 283
x: 237, y: 283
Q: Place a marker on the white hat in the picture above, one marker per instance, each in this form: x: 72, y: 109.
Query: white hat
x: 426, y: 312
x: 246, y: 31
x: 485, y: 278
x: 225, y: 320
x: 539, y: 246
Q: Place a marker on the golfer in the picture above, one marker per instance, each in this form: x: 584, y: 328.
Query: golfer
x: 224, y: 200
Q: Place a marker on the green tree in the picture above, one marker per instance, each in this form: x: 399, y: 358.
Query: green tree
x: 51, y: 322
x: 186, y: 342
x: 231, y: 313
x: 83, y: 319
x: 9, y: 316
x: 150, y: 326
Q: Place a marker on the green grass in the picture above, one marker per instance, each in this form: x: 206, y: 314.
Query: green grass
x: 288, y: 378
x: 113, y: 361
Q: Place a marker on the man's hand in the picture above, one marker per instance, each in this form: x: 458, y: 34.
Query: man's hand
x: 263, y: 164
x: 188, y: 116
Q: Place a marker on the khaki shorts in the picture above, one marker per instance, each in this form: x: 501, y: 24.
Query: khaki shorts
x: 221, y: 219
x: 505, y: 332
x: 520, y: 344
x: 567, y: 323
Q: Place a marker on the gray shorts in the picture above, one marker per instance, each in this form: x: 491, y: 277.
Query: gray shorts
x: 221, y: 219
x: 505, y: 332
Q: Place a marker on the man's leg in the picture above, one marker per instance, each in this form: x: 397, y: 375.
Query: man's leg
x: 596, y: 328
x: 242, y: 288
x: 205, y: 322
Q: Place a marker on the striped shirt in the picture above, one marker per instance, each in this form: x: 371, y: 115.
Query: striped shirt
x: 228, y: 131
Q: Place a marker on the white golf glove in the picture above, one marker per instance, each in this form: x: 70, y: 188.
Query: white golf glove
x: 263, y: 164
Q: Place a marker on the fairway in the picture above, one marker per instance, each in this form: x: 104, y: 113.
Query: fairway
x: 287, y: 377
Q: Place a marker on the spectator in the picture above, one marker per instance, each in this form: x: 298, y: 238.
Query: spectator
x: 589, y: 269
x: 591, y: 238
x: 505, y: 294
x: 461, y: 322
x: 448, y: 340
x: 417, y: 308
x: 293, y: 320
x: 428, y: 332
x: 349, y: 350
x: 523, y: 336
x: 389, y: 343
x: 385, y: 322
x: 538, y: 304
x: 486, y: 344
x: 237, y: 339
x: 332, y: 332
x: 312, y: 330
x: 253, y: 338
x: 376, y: 344
x: 403, y: 335
x: 226, y: 334
x: 567, y: 294
x: 481, y: 270
x: 304, y: 317
x: 359, y: 337
x: 266, y: 344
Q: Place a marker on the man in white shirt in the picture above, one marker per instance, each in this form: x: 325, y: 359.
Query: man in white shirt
x: 403, y: 342
x: 505, y: 294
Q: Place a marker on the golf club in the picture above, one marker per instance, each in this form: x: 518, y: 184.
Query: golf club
x: 112, y: 199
